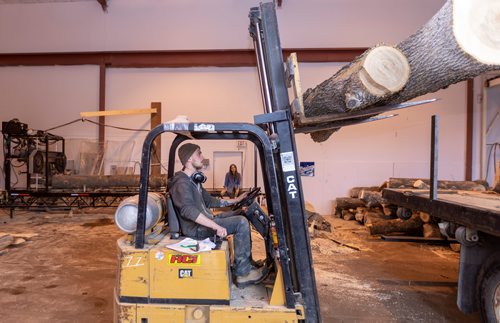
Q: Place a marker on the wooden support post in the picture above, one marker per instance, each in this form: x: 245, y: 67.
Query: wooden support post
x: 496, y: 182
x: 156, y: 150
x: 102, y: 101
x: 102, y: 107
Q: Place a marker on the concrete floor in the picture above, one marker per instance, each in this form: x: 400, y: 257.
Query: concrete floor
x: 66, y: 273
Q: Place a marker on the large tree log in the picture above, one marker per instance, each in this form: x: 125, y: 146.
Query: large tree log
x: 397, y: 225
x: 371, y: 77
x: 346, y: 203
x: 355, y: 191
x: 104, y: 181
x: 458, y: 43
x: 373, y: 199
x: 424, y: 184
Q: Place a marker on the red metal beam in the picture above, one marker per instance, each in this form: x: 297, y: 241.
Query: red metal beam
x: 191, y: 58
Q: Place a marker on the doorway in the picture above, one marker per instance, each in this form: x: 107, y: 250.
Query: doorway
x: 221, y: 162
x: 492, y: 131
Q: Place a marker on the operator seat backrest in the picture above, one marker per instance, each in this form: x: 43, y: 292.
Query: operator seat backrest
x: 173, y: 219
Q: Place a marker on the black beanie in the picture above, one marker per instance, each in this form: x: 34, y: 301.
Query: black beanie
x: 186, y: 151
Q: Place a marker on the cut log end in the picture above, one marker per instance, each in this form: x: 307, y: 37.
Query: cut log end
x: 385, y: 70
x: 476, y: 26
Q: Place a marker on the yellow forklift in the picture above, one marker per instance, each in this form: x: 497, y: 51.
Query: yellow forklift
x: 157, y: 284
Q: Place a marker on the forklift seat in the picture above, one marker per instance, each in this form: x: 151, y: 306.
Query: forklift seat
x: 172, y: 218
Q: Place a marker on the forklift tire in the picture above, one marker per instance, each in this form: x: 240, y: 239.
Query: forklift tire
x: 490, y: 295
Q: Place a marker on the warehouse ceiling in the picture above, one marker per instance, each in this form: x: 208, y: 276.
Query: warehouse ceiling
x: 103, y: 3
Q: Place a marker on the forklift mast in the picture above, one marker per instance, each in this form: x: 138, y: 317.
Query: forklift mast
x: 264, y: 31
x: 273, y: 136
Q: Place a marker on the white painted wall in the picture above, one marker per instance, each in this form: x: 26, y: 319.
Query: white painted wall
x: 195, y: 24
x: 360, y: 155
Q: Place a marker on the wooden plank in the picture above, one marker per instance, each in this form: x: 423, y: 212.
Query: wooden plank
x: 102, y: 104
x: 116, y: 112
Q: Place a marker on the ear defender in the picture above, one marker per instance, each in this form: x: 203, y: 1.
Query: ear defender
x: 198, y: 178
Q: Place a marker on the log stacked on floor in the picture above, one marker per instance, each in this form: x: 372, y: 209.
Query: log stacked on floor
x: 364, y: 205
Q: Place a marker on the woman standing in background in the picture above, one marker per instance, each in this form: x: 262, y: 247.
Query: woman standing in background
x: 232, y: 182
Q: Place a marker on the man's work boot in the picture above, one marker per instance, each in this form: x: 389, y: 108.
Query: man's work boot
x: 255, y: 276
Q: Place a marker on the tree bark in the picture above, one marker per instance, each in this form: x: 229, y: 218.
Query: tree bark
x: 347, y: 215
x: 373, y: 199
x: 346, y: 203
x: 104, y: 181
x: 355, y: 191
x: 445, y: 185
x: 372, y: 76
x: 371, y: 217
x: 397, y: 225
x: 458, y: 43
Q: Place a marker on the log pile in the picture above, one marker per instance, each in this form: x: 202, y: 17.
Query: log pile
x: 367, y: 206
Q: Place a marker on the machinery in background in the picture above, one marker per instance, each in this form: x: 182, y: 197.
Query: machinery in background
x: 33, y: 155
x: 34, y: 168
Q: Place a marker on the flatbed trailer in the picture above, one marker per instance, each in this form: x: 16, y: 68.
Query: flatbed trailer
x: 473, y: 218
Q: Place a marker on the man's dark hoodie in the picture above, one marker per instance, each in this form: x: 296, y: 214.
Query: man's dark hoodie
x: 190, y: 199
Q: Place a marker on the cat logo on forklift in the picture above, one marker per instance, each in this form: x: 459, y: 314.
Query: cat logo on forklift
x: 184, y: 259
x: 291, y: 187
x: 185, y: 273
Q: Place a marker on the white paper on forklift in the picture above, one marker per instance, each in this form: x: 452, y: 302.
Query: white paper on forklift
x: 191, y: 246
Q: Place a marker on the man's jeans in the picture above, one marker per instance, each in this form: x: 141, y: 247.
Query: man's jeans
x: 238, y: 226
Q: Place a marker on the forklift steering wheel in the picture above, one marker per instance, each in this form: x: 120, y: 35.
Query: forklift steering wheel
x: 248, y: 199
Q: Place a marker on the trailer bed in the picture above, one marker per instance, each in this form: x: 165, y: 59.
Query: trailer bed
x: 476, y: 210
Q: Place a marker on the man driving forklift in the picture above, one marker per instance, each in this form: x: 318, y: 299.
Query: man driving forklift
x: 193, y: 205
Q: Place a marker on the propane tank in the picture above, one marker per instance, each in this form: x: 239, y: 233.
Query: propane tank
x: 126, y: 213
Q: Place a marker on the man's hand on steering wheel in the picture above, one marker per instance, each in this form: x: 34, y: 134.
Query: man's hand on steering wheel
x: 246, y: 198
x: 240, y: 198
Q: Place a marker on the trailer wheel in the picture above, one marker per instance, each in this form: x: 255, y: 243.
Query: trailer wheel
x: 490, y: 295
x: 404, y: 213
